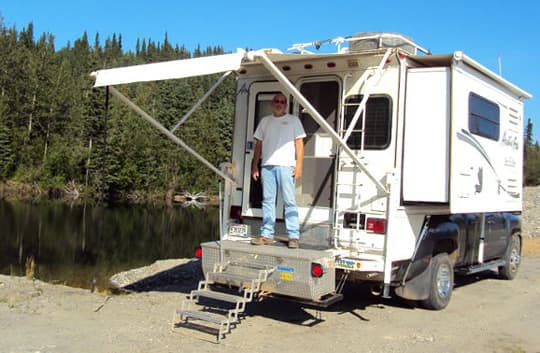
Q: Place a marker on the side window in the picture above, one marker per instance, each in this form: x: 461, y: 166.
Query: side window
x: 378, y: 122
x: 484, y: 117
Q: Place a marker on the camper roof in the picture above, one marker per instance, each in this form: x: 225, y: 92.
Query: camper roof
x: 460, y: 57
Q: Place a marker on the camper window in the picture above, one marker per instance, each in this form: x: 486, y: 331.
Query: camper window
x: 378, y: 122
x: 484, y: 117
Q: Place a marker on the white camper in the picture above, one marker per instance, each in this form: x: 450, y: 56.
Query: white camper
x: 412, y: 171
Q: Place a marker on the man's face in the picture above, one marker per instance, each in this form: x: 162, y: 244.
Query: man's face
x: 279, y: 105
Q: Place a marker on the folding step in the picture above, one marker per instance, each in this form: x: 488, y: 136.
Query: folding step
x: 247, y: 276
x: 230, y: 278
x: 222, y: 321
x: 241, y: 274
x: 251, y: 265
x: 203, y: 316
x: 230, y: 298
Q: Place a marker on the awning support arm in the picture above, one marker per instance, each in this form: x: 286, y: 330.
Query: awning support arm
x: 290, y: 88
x: 201, y: 100
x: 169, y: 134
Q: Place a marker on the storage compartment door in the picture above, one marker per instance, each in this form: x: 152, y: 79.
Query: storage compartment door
x: 426, y: 157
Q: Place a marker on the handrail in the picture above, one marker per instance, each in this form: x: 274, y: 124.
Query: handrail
x: 338, y: 41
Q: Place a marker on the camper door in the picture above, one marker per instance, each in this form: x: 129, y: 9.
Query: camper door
x: 314, y: 190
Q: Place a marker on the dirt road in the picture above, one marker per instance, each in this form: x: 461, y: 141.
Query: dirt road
x: 486, y: 315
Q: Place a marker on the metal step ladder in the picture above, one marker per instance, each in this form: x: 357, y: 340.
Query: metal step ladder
x: 216, y: 308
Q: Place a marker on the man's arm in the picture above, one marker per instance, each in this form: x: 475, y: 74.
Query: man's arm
x: 255, y: 161
x: 299, y: 150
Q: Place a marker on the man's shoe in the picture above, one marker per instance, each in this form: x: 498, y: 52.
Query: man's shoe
x: 293, y: 244
x: 262, y: 240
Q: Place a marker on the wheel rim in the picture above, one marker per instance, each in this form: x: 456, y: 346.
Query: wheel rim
x: 444, y: 281
x: 515, y: 258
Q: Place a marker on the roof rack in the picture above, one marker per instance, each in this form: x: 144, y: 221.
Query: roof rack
x: 364, y: 41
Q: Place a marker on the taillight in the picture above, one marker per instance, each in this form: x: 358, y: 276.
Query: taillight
x: 198, y: 252
x: 316, y: 270
x: 376, y: 225
x: 235, y: 212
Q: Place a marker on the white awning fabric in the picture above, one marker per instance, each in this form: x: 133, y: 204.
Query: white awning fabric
x: 169, y: 70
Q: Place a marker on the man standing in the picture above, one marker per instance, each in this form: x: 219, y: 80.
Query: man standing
x: 279, y: 141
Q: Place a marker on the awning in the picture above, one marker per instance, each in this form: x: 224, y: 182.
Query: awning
x: 169, y: 70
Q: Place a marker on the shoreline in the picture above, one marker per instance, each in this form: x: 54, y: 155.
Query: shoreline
x: 71, y: 193
x: 41, y: 317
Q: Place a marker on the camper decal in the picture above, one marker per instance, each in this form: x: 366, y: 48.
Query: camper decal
x: 242, y: 90
x: 510, y: 140
x: 467, y: 137
x: 478, y: 187
x: 286, y: 273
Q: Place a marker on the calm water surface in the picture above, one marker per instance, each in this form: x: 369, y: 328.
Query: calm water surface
x: 76, y: 245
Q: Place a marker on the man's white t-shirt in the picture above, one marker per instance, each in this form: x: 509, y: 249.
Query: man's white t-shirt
x: 278, y: 135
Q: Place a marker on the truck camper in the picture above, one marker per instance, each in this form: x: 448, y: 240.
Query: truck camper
x: 412, y: 172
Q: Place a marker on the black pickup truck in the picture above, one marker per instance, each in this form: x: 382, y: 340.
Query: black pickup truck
x: 459, y: 244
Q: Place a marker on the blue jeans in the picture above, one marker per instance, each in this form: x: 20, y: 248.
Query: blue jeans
x: 273, y: 177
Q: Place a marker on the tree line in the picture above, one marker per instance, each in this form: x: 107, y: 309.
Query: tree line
x: 58, y: 133
x: 531, y: 157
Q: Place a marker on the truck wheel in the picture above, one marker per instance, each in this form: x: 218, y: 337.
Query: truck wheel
x: 512, y: 258
x: 441, y: 283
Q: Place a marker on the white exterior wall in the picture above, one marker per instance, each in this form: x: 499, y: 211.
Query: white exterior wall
x: 356, y: 192
x: 426, y: 155
x: 486, y: 175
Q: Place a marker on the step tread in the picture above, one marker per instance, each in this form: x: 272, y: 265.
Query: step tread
x: 252, y: 266
x: 231, y: 276
x: 231, y: 298
x: 481, y: 267
x: 203, y: 316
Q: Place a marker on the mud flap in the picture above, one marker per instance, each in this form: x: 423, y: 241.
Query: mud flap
x: 418, y: 287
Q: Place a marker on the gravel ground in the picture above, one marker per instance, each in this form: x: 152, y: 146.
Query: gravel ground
x: 531, y: 212
x: 486, y: 315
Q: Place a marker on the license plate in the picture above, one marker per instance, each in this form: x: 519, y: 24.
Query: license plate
x: 348, y: 264
x: 239, y: 230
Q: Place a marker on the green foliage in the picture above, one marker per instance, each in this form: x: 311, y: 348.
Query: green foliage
x: 55, y: 129
x: 6, y: 146
x: 531, y: 158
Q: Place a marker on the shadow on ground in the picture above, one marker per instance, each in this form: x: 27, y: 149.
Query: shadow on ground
x: 357, y: 297
x: 182, y: 278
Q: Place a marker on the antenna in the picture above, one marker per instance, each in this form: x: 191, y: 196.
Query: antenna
x: 499, y: 59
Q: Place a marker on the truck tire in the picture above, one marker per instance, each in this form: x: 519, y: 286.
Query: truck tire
x: 441, y: 283
x: 512, y: 257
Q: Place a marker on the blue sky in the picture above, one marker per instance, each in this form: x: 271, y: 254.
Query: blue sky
x: 480, y: 28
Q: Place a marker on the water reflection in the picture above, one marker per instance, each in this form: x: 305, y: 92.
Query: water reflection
x: 79, y: 244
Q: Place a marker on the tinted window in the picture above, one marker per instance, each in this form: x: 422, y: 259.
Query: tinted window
x: 483, y: 117
x: 378, y: 122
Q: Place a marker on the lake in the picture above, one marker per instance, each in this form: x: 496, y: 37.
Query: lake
x: 79, y: 245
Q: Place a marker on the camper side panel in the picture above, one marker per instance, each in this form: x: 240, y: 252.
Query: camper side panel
x: 487, y: 146
x: 426, y: 141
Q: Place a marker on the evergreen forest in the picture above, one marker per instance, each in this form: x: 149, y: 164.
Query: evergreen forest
x: 58, y: 133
